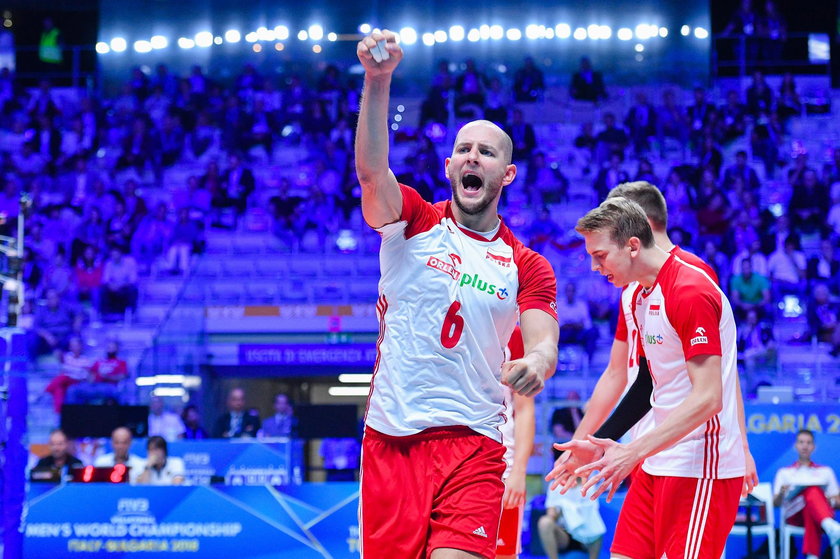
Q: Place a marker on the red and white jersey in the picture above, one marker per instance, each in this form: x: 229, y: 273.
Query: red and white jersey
x: 626, y: 331
x: 514, y: 350
x: 684, y: 315
x: 797, y: 476
x: 448, y: 302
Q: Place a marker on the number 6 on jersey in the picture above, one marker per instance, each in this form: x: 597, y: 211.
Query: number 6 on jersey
x: 453, y: 326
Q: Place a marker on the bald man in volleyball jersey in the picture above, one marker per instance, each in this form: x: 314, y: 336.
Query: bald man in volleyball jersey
x: 616, y: 378
x: 684, y: 497
x: 454, y: 280
x: 518, y: 437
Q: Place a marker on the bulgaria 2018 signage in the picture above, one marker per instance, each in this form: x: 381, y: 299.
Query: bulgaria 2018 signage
x: 108, y: 520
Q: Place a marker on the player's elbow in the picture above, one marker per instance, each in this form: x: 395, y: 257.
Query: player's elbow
x: 712, y: 404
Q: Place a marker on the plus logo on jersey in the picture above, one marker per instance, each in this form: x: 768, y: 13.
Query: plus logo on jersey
x: 654, y: 340
x: 465, y: 280
x: 700, y: 338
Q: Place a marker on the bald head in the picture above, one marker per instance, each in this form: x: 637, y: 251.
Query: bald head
x: 505, y: 143
x: 121, y: 442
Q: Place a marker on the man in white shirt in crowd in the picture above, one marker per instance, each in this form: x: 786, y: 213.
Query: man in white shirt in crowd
x: 160, y: 468
x: 807, y: 492
x: 121, y: 444
x: 164, y: 423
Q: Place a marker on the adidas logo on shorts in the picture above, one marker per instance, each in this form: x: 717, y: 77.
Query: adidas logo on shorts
x: 480, y: 532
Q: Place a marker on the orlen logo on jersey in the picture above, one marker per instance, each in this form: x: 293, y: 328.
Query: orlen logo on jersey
x: 701, y: 337
x: 448, y: 268
x: 654, y: 340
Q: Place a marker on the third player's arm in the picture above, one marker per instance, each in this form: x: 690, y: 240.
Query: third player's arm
x: 381, y: 196
x: 524, y: 428
x: 607, y: 391
x: 751, y: 473
x: 704, y: 401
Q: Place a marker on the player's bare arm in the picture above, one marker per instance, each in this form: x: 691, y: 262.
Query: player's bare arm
x: 751, y: 474
x: 704, y: 401
x: 540, y: 333
x: 607, y: 391
x: 381, y: 197
x: 523, y: 437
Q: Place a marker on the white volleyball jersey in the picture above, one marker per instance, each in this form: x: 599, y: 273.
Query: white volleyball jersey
x: 684, y: 315
x: 626, y: 331
x: 514, y: 350
x: 448, y: 303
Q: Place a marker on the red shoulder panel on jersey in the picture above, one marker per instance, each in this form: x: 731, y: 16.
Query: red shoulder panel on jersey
x: 694, y: 260
x: 418, y: 213
x: 537, y: 284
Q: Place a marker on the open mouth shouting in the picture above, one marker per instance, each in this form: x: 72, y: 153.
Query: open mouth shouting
x: 472, y: 184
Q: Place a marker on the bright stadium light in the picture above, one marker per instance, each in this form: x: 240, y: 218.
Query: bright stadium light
x: 484, y: 32
x: 159, y: 42
x: 513, y: 34
x: 428, y: 39
x: 350, y: 378
x: 639, y: 47
x: 593, y: 32
x: 118, y: 44
x: 186, y: 43
x: 142, y: 46
x: 563, y: 31
x: 203, y: 39
x: 606, y: 31
x: 496, y: 32
x: 579, y: 34
x: 358, y: 391
x: 456, y: 33
x: 102, y: 47
x: 281, y: 32
x: 408, y: 35
x: 642, y: 32
x: 218, y: 40
x: 625, y: 34
x: 302, y: 35
x: 364, y: 28
x: 440, y: 36
x: 663, y: 32
x: 265, y: 34
x: 332, y: 37
x: 549, y: 33
x: 701, y: 33
x: 534, y: 31
x: 685, y: 30
x: 473, y: 35
x: 252, y: 37
x: 233, y: 36
x: 316, y: 32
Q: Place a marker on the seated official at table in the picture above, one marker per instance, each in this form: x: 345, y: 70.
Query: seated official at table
x: 121, y: 443
x: 59, y: 457
x: 161, y: 469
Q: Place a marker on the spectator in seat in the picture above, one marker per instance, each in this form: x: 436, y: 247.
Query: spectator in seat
x: 585, y: 143
x: 121, y: 440
x: 151, y: 235
x: 756, y: 346
x: 545, y: 183
x: 238, y: 183
x: 741, y: 169
x: 119, y: 283
x: 807, y: 493
x: 236, y: 422
x: 610, y: 176
x: 469, y: 92
x: 824, y: 267
x: 732, y: 120
x: 283, y: 422
x: 160, y: 468
x: 611, y: 140
x: 192, y: 424
x: 641, y: 124
x: 671, y: 122
x: 699, y: 117
x: 576, y: 322
x: 787, y: 268
x: 523, y: 136
x: 88, y: 277
x: 759, y: 96
x: 185, y: 239
x: 571, y: 523
x: 59, y: 457
x: 164, y: 423
x: 528, y: 82
x: 750, y: 291
x: 54, y: 323
x: 824, y: 318
x: 587, y: 84
x: 103, y: 383
x: 809, y: 204
x: 75, y: 368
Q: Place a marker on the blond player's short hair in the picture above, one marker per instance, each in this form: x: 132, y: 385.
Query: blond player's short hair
x: 619, y: 217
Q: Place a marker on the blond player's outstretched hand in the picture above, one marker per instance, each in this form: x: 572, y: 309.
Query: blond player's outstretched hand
x: 379, y: 53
